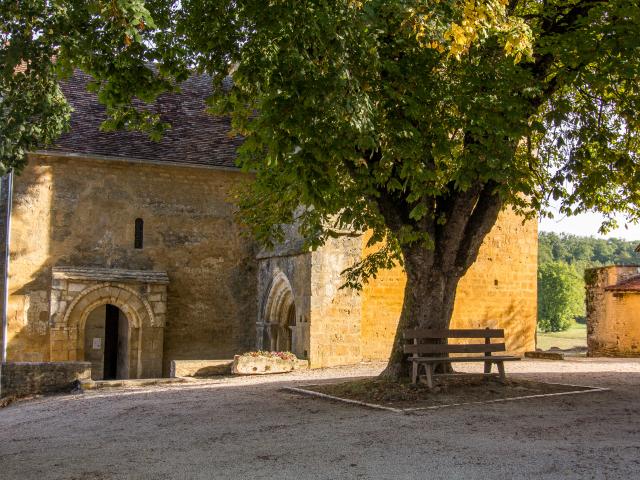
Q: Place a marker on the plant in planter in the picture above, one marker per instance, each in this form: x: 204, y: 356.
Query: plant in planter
x: 263, y: 362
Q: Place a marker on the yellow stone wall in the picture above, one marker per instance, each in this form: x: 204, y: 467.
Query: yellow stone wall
x: 498, y: 291
x: 335, y: 328
x: 81, y: 212
x: 30, y: 263
x: 613, y: 317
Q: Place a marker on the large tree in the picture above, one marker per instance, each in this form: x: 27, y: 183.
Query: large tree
x: 419, y: 120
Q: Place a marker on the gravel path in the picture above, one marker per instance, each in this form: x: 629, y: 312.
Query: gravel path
x: 248, y: 428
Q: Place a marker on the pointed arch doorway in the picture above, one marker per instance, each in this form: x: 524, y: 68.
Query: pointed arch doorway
x: 279, y: 328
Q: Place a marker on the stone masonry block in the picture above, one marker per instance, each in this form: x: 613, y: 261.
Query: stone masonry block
x: 77, y: 287
x: 159, y: 307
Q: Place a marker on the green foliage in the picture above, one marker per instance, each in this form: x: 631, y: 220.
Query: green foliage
x: 563, y: 260
x: 416, y: 119
x: 41, y: 41
x: 586, y: 252
x: 560, y: 296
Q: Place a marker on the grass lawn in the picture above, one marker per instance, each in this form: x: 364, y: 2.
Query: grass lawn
x: 575, y: 336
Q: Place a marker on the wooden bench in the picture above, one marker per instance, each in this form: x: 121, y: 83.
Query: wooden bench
x: 428, y: 346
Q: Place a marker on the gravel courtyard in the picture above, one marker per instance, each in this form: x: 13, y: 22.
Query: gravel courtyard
x: 248, y: 428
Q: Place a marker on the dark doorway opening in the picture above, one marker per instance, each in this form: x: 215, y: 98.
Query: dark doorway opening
x: 111, y: 343
x: 291, y: 324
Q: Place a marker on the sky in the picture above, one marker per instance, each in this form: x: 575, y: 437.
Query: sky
x: 587, y: 225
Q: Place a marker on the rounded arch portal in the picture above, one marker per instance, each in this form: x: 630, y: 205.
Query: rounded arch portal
x: 106, y: 343
x: 135, y: 309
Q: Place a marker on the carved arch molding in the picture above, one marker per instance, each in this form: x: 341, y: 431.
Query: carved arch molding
x: 279, y: 326
x: 140, y: 295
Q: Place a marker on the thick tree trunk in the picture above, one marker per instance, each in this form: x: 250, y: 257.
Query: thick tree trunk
x: 433, y: 274
x: 429, y: 297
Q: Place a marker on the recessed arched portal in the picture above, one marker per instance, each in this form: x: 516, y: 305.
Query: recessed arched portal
x: 107, y: 339
x: 277, y: 328
x: 140, y: 331
x: 140, y: 297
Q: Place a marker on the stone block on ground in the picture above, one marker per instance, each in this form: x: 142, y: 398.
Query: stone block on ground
x: 200, y: 368
x: 261, y: 365
x: 299, y: 364
x: 545, y: 355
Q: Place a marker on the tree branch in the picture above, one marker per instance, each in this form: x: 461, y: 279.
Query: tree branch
x: 483, y: 218
x: 558, y: 25
x: 457, y: 216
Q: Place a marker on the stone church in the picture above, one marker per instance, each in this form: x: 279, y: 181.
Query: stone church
x: 125, y: 252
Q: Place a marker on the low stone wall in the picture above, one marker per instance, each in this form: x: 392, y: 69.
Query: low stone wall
x: 29, y: 378
x: 199, y: 368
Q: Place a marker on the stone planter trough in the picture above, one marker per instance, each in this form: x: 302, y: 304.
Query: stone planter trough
x: 260, y: 365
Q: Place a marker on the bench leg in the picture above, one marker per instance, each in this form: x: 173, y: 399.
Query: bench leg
x: 414, y: 372
x: 503, y: 377
x: 487, y: 367
x: 429, y: 370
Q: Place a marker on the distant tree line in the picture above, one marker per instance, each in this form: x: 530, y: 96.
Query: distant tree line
x: 562, y: 260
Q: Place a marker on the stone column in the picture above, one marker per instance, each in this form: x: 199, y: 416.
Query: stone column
x: 260, y: 330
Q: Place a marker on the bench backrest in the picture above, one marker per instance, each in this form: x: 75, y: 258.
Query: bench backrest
x: 417, y: 334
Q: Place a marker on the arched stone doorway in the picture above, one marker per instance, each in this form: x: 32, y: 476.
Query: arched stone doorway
x: 107, y: 339
x: 282, y: 328
x: 278, y: 328
x: 80, y: 299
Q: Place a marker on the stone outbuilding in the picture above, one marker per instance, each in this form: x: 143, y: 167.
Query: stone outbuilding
x: 613, y: 311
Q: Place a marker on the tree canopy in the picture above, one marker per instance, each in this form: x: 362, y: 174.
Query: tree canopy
x: 538, y: 98
x: 416, y: 119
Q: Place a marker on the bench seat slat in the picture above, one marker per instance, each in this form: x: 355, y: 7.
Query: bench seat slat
x: 456, y: 348
x: 420, y: 333
x: 494, y: 359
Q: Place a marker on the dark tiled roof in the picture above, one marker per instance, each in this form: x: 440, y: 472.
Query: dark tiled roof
x: 630, y: 285
x: 195, y: 137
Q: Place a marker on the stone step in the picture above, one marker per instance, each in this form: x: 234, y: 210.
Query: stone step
x: 133, y: 382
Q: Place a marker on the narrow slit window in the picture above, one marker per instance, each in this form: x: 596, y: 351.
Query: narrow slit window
x: 139, y: 233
